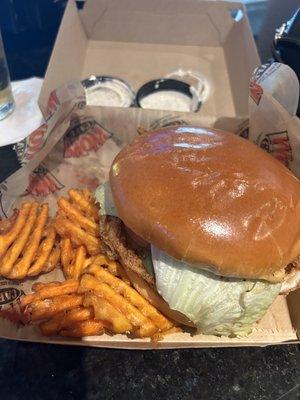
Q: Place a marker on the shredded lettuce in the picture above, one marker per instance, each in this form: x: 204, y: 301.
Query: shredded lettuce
x: 217, y: 305
x: 104, y: 197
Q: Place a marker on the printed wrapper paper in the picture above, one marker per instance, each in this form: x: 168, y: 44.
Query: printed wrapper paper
x: 75, y: 148
x: 273, y: 125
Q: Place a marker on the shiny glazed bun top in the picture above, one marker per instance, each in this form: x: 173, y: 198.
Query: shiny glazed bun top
x: 210, y: 198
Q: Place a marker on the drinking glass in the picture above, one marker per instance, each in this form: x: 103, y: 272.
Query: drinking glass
x: 7, y: 103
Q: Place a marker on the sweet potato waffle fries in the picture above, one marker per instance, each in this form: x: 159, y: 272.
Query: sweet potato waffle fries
x: 28, y: 244
x: 98, y: 295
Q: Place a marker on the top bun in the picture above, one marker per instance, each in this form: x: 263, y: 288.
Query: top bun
x: 210, y: 198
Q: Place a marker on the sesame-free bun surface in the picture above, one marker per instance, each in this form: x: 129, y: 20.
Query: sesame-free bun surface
x: 210, y: 198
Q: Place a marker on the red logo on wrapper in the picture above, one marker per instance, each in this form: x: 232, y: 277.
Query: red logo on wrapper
x: 27, y: 148
x: 86, y: 180
x: 52, y: 105
x: 277, y: 144
x: 84, y: 136
x: 42, y: 182
x: 256, y: 91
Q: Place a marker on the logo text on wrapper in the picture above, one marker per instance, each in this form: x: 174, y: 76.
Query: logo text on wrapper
x: 42, y: 182
x: 10, y: 302
x: 84, y: 136
x: 27, y: 148
x: 277, y: 144
x: 256, y: 91
x: 260, y: 71
x: 243, y: 129
x: 9, y: 295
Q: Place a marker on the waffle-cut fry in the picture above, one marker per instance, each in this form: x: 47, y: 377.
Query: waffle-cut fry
x: 65, y: 320
x: 88, y: 206
x: 157, y: 337
x: 150, y: 294
x: 92, y: 259
x: 84, y: 328
x: 78, y: 236
x: 47, y: 291
x: 100, y: 259
x: 7, y: 239
x: 74, y: 215
x: 103, y: 310
x: 78, y: 314
x: 52, y: 326
x: 52, y: 261
x: 116, y: 269
x: 16, y: 248
x: 132, y: 296
x: 87, y: 194
x: 113, y: 266
x: 7, y: 223
x: 20, y: 269
x: 45, y: 309
x: 143, y: 325
x: 66, y: 255
x: 43, y: 253
x: 40, y: 285
x: 77, y: 269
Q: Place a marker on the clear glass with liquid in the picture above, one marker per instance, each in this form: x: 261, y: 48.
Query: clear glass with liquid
x: 7, y: 103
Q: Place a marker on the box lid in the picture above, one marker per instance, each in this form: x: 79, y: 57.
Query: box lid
x: 180, y: 25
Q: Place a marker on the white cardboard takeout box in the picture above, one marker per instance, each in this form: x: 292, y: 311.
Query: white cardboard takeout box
x: 138, y: 40
x: 143, y: 40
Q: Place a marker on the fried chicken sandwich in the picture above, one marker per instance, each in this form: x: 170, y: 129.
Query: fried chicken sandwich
x: 208, y: 220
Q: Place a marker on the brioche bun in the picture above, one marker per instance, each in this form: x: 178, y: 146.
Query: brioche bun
x: 210, y: 198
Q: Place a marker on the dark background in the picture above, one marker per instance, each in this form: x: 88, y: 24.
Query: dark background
x: 29, y: 28
x: 39, y: 371
x: 36, y: 371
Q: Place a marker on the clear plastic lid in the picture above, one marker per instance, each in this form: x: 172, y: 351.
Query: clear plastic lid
x: 108, y: 91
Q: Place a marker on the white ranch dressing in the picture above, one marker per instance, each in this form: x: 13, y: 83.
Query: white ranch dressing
x: 170, y: 100
x: 110, y: 93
